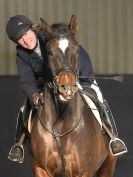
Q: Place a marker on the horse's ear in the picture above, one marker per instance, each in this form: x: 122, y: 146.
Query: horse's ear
x: 73, y: 24
x: 45, y: 25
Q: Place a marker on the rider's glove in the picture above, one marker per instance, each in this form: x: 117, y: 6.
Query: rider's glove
x: 37, y: 99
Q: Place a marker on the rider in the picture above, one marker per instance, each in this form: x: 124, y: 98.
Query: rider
x: 30, y: 59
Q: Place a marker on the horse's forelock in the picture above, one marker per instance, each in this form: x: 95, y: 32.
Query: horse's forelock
x: 61, y: 28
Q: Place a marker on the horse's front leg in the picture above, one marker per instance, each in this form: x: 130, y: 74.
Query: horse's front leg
x: 108, y: 167
x: 39, y: 172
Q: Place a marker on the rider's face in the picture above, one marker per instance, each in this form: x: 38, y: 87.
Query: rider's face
x: 28, y: 40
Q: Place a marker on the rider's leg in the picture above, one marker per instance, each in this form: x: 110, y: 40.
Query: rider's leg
x: 17, y: 151
x: 116, y: 145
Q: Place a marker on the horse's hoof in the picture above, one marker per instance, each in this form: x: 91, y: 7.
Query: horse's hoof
x: 16, y: 154
x: 117, y: 147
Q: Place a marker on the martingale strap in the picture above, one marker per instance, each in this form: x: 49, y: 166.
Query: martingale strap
x: 91, y: 104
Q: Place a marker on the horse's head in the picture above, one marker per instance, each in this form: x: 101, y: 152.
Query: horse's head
x: 63, y: 61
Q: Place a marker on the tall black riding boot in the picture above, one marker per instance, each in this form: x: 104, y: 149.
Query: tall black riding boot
x: 116, y: 145
x: 17, y: 151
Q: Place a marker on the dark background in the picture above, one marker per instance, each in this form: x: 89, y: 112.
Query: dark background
x: 120, y: 99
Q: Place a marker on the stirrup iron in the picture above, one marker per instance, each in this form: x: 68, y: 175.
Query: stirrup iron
x: 12, y: 157
x: 120, y: 151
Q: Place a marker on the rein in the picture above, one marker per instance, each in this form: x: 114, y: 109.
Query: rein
x: 55, y: 86
x: 58, y: 137
x: 55, y: 133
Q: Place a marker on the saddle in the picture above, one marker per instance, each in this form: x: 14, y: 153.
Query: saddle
x: 23, y: 119
x: 93, y: 102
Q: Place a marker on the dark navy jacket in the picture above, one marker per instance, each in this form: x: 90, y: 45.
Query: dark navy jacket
x: 31, y: 67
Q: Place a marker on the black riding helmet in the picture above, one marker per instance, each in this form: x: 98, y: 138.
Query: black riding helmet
x: 17, y: 26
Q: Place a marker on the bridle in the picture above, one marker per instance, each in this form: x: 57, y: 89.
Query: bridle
x: 64, y: 66
x: 54, y: 86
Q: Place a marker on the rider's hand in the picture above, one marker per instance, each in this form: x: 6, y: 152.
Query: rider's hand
x: 37, y: 99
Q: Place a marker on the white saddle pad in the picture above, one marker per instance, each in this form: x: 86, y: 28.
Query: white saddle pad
x: 93, y: 107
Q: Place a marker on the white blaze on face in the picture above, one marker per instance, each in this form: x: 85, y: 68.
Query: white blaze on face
x: 63, y: 44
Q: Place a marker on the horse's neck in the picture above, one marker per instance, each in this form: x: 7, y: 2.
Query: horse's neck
x: 71, y: 112
x: 68, y: 116
x: 59, y: 110
x: 49, y: 110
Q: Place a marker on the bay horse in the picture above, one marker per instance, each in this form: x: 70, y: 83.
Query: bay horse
x: 66, y: 138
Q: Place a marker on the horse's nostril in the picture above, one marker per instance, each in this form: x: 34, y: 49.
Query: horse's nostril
x: 74, y: 88
x: 62, y: 88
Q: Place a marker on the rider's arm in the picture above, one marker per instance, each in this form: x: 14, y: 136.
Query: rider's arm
x: 86, y: 69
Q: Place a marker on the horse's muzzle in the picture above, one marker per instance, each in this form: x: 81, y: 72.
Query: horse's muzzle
x: 66, y: 92
x: 67, y: 87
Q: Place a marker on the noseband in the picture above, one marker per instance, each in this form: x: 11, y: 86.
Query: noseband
x: 64, y: 84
